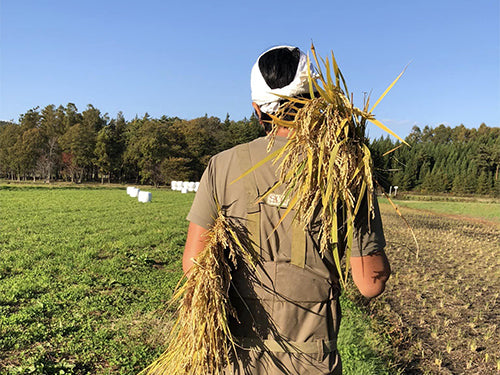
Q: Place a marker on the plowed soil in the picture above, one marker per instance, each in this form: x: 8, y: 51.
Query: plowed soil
x: 441, y: 311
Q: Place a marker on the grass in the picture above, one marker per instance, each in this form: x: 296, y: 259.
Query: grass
x: 82, y: 272
x: 85, y: 275
x: 484, y: 210
x: 363, y: 350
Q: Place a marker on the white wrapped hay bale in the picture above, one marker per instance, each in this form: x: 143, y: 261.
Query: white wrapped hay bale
x: 173, y: 185
x: 191, y: 186
x: 129, y: 190
x: 176, y: 185
x: 144, y: 196
x: 134, y: 192
x: 196, y: 185
x: 184, y: 189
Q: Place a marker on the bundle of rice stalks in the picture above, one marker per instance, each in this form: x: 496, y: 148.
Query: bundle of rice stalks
x: 326, y: 160
x: 200, y: 342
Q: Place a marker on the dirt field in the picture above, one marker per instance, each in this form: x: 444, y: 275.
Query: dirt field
x: 442, y: 311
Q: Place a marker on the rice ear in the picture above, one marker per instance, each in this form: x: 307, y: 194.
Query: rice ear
x: 201, y: 341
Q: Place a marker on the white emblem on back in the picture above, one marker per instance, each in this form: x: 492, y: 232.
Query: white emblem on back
x: 276, y: 200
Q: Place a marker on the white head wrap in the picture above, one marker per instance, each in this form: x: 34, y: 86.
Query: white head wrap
x: 266, y: 97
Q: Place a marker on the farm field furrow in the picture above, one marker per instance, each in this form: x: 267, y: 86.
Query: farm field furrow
x: 442, y: 310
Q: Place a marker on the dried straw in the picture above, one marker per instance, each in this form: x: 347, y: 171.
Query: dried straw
x: 326, y: 160
x: 201, y: 342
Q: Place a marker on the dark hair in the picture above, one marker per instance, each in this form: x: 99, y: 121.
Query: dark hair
x: 279, y: 66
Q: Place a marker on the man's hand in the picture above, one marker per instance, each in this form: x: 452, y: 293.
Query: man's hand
x: 370, y: 273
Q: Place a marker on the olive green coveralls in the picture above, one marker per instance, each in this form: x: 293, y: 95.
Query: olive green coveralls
x: 288, y: 313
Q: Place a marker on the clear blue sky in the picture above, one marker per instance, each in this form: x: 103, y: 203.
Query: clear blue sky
x: 193, y: 58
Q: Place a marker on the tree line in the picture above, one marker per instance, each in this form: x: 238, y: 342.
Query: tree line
x: 441, y: 160
x: 61, y: 143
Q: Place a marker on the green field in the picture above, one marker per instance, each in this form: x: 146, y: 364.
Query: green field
x: 484, y: 210
x: 85, y: 275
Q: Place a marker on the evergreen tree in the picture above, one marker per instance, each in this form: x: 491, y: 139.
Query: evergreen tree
x: 9, y: 135
x: 470, y: 180
x: 458, y: 186
x: 30, y: 119
x: 454, y: 157
x: 27, y: 150
x: 483, y: 183
x: 103, y: 152
x: 149, y: 144
x: 79, y: 143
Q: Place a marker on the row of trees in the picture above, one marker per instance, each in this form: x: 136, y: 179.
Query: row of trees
x: 62, y: 143
x: 442, y: 159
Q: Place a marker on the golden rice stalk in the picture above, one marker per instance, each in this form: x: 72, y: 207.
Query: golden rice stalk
x: 326, y: 160
x: 200, y: 342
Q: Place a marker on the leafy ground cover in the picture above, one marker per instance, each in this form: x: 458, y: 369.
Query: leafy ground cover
x: 441, y: 311
x: 489, y: 210
x: 85, y: 275
x: 81, y: 274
